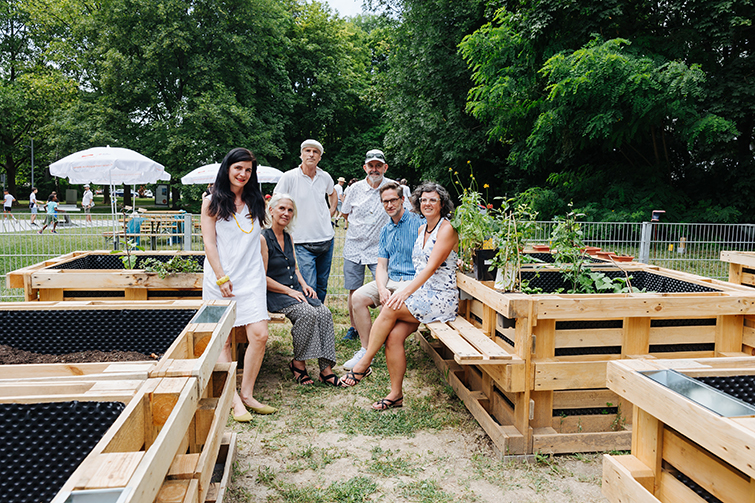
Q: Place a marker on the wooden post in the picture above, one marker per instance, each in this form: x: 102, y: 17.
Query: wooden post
x: 647, y: 443
x: 636, y: 337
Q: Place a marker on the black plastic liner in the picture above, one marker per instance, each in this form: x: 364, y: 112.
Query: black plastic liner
x: 58, y: 332
x: 42, y: 444
x: 114, y: 261
x: 741, y: 386
x: 588, y: 324
x: 681, y: 348
x: 593, y: 411
x: 693, y: 485
x: 550, y: 281
x: 548, y: 258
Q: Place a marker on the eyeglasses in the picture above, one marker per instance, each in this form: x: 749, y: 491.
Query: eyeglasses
x: 389, y: 202
x: 429, y: 200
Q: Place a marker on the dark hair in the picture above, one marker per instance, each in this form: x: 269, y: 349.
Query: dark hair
x: 392, y: 186
x: 446, y: 205
x: 222, y: 204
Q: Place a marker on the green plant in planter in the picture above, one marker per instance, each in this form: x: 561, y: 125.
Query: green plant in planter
x: 175, y: 265
x: 568, y: 248
x: 472, y: 220
x: 517, y: 226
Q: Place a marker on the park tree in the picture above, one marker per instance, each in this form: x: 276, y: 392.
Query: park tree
x: 31, y: 90
x: 620, y: 105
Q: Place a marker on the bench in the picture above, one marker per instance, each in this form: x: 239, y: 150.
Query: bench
x: 469, y: 344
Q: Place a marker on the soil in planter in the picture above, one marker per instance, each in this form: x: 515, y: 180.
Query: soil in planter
x: 12, y: 356
x: 42, y: 444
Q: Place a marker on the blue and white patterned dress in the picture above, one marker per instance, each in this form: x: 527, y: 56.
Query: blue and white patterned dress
x: 438, y: 298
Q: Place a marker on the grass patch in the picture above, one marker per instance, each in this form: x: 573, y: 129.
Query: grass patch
x: 388, y: 463
x: 424, y: 491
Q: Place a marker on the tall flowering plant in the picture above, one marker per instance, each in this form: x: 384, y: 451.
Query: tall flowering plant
x: 473, y: 219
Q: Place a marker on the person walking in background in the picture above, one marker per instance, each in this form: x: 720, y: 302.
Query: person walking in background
x: 364, y: 212
x: 87, y: 202
x: 339, y: 193
x: 232, y: 219
x: 431, y: 296
x: 288, y: 293
x: 309, y: 186
x: 7, y: 204
x: 52, y: 214
x: 407, y: 194
x: 394, y: 269
x: 33, y: 207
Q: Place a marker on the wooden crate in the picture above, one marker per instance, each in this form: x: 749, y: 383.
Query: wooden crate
x: 741, y: 267
x: 192, y: 354
x: 674, y: 435
x: 167, y: 431
x: 553, y: 391
x: 63, y: 279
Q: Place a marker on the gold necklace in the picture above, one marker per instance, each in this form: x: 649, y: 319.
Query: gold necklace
x: 239, y: 226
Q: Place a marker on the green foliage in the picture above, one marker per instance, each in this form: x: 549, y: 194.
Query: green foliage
x: 472, y: 220
x: 177, y: 264
x: 125, y: 256
x: 517, y: 227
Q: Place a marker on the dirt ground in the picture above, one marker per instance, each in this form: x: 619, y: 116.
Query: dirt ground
x: 327, y: 445
x: 12, y: 356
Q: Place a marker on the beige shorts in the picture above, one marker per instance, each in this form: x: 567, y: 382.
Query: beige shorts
x: 370, y: 290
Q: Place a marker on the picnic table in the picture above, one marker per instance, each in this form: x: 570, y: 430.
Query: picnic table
x: 150, y: 225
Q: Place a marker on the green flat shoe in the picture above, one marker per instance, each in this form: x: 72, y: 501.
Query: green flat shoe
x: 264, y: 410
x: 243, y: 418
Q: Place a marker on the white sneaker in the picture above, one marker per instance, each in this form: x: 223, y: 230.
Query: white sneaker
x: 355, y: 359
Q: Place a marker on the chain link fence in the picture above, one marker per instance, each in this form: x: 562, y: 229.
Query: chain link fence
x: 691, y: 248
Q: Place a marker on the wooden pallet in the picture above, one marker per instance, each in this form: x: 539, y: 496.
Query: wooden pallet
x: 164, y: 419
x: 558, y: 402
x: 192, y: 354
x: 741, y: 267
x: 673, y: 434
x: 43, y: 283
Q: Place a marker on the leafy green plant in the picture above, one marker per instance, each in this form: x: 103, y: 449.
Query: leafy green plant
x: 129, y: 260
x: 175, y: 265
x: 517, y: 226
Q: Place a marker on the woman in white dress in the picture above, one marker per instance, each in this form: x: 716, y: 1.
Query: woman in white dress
x: 431, y: 296
x: 232, y: 219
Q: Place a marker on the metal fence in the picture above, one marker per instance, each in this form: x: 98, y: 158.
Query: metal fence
x: 691, y: 248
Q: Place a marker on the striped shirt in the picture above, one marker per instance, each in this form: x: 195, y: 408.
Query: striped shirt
x: 397, y: 243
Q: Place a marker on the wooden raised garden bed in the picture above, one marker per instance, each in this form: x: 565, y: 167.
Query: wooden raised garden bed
x: 123, y: 441
x: 741, y: 267
x: 542, y: 386
x: 100, y: 275
x: 186, y: 337
x: 682, y: 450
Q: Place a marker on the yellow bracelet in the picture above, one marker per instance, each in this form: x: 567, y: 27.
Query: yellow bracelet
x: 224, y: 279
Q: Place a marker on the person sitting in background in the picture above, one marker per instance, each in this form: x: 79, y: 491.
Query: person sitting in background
x: 431, y: 296
x: 288, y: 293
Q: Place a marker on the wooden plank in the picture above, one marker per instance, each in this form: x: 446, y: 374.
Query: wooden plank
x: 647, y: 443
x: 673, y: 491
x: 639, y: 471
x: 561, y: 443
x: 636, y: 336
x: 479, y: 340
x: 464, y: 352
x: 681, y: 335
x: 219, y: 409
x: 709, y: 472
x: 619, y: 486
x: 228, y: 457
x: 729, y: 334
x: 569, y: 375
x: 114, y: 469
x: 577, y: 399
x: 588, y: 337
x: 178, y: 491
x: 739, y: 257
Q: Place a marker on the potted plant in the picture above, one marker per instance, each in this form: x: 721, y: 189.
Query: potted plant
x: 517, y: 226
x: 475, y: 224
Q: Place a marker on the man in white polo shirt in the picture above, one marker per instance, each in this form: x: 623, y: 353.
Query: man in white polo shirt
x: 308, y: 186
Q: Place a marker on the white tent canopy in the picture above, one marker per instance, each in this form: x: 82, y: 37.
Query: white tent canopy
x: 109, y: 166
x: 208, y: 173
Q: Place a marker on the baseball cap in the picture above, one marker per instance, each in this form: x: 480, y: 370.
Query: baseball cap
x: 312, y: 143
x: 375, y: 155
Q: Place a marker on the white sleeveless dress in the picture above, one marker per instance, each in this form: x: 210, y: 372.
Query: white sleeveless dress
x: 241, y: 259
x: 438, y: 298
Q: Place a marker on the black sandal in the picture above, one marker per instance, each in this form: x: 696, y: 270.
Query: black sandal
x: 353, y: 376
x: 385, y: 403
x: 331, y: 380
x: 300, y: 375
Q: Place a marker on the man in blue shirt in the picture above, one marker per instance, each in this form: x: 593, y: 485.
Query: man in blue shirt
x: 394, y: 269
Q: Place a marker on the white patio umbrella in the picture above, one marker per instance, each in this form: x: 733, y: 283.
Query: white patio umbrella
x: 109, y: 165
x: 208, y: 173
